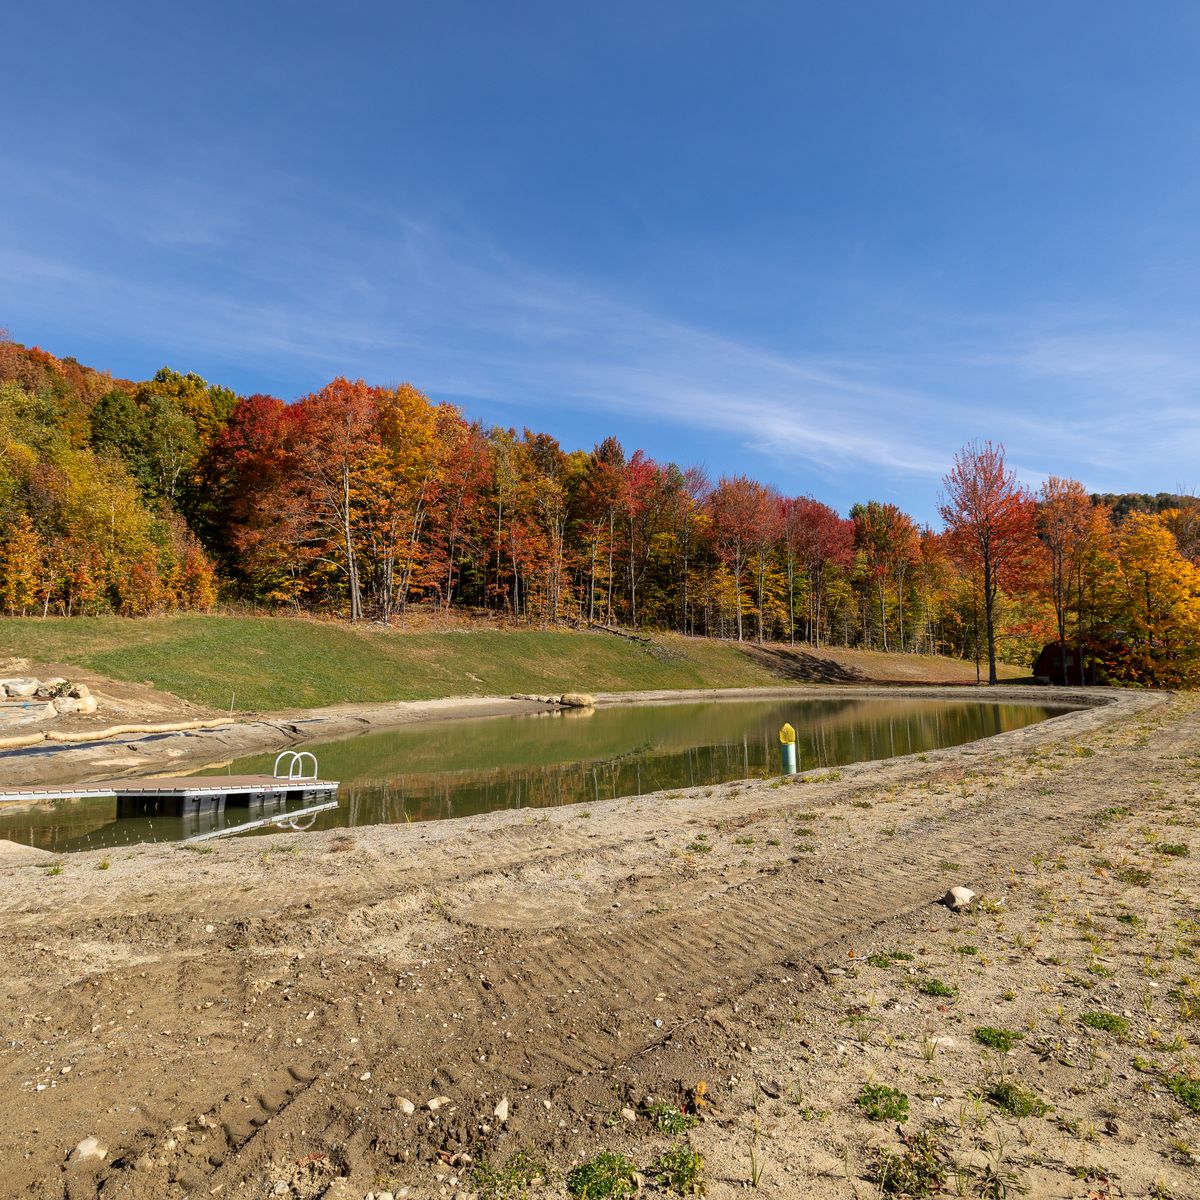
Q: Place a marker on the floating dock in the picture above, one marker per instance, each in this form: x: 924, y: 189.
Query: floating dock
x: 184, y: 796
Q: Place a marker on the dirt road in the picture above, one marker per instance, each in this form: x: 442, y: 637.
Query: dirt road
x: 344, y: 1013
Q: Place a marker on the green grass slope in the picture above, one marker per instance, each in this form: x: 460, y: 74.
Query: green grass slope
x: 268, y: 663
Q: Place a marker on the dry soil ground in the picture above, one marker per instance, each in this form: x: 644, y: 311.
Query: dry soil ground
x: 343, y: 1014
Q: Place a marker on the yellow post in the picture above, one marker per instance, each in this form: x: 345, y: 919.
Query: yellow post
x: 787, y: 747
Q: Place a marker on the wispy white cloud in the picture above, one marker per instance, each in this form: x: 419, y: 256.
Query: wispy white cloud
x: 369, y: 290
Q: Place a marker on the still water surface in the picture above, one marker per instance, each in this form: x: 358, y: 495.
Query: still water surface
x: 463, y: 768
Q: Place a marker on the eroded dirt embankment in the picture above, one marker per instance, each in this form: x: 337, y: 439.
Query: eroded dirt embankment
x: 268, y: 1012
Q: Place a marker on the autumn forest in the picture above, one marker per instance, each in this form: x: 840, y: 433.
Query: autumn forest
x: 371, y: 503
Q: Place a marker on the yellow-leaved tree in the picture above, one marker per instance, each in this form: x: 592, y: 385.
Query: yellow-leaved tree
x: 1157, y: 604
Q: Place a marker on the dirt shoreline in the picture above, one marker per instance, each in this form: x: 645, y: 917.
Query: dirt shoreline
x: 175, y: 751
x: 275, y: 1016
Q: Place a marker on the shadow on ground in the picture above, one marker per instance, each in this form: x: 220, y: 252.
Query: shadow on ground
x: 802, y: 667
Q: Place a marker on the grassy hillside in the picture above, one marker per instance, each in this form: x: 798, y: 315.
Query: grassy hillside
x: 267, y: 663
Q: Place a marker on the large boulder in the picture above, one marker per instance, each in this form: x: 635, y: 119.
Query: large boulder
x: 20, y: 688
x: 576, y: 700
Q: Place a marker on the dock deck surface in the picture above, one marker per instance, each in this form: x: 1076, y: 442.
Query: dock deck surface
x: 181, y: 786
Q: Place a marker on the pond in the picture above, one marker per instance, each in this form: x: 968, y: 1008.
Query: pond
x: 463, y: 768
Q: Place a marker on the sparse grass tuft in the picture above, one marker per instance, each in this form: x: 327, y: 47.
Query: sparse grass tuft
x: 885, y: 958
x: 1137, y: 876
x: 1173, y: 849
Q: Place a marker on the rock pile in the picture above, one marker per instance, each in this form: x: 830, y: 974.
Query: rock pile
x: 566, y: 700
x: 46, y: 698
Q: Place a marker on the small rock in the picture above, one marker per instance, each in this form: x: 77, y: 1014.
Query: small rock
x: 281, y: 1188
x: 364, y: 1076
x: 90, y: 1148
x: 628, y: 1114
x: 437, y: 1102
x: 501, y: 1110
x: 772, y: 1088
x: 958, y: 899
x: 405, y: 1105
x: 384, y: 1196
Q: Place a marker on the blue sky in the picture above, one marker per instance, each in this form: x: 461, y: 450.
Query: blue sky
x: 824, y: 244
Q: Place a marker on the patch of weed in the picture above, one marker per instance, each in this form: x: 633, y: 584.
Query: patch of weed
x: 968, y: 949
x: 1173, y: 849
x: 919, y: 1170
x: 881, y: 1103
x: 609, y: 1174
x: 1016, y: 1100
x: 669, y: 1119
x: 679, y: 1170
x: 1107, y: 1022
x: 1185, y: 1089
x: 935, y: 987
x: 1002, y: 1040
x: 511, y: 1181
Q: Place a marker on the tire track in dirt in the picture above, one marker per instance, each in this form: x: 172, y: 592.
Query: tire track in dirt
x: 781, y: 918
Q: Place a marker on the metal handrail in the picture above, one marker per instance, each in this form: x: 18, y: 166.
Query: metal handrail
x: 295, y: 764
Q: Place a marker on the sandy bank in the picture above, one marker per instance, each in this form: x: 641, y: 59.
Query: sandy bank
x: 281, y: 1011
